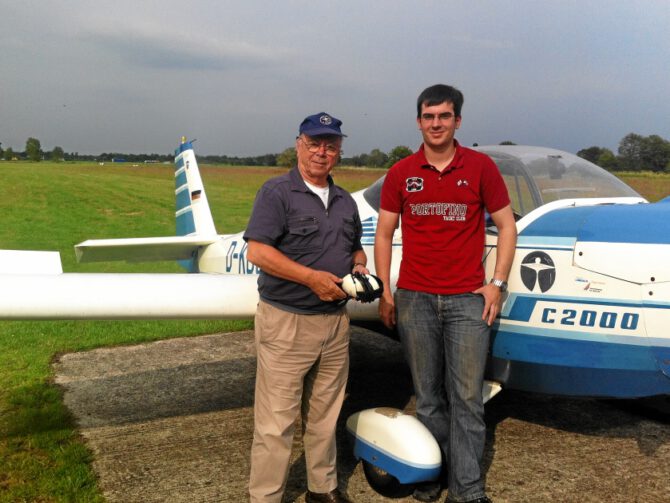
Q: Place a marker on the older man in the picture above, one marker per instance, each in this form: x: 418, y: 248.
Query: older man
x: 304, y: 234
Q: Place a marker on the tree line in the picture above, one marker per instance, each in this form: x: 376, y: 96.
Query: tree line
x: 635, y: 153
x: 33, y: 152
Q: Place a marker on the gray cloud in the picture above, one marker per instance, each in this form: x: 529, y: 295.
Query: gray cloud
x: 182, y: 53
x: 135, y: 76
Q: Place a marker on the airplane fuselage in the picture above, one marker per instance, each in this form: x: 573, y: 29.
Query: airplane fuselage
x: 586, y: 313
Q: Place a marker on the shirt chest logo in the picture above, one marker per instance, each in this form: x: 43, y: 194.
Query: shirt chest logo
x: 414, y: 184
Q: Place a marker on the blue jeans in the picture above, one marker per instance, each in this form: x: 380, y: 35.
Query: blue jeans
x: 446, y: 344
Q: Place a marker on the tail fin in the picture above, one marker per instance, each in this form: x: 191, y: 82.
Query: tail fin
x: 195, y: 226
x: 192, y: 211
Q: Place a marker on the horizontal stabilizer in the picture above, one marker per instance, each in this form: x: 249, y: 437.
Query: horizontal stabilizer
x: 30, y: 262
x: 141, y: 249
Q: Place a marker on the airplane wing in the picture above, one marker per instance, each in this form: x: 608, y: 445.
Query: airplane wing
x: 30, y: 262
x: 101, y: 296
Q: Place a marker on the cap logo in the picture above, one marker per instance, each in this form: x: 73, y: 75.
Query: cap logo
x: 320, y: 124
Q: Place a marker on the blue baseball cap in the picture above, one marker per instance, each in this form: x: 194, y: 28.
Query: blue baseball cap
x: 321, y: 124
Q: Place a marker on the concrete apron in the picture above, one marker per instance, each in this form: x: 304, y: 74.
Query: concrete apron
x: 172, y: 421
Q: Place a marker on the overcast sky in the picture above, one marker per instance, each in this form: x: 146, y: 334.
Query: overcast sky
x: 134, y: 76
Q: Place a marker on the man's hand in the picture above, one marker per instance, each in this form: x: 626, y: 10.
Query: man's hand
x: 387, y: 310
x: 360, y: 268
x: 326, y: 286
x: 492, y: 297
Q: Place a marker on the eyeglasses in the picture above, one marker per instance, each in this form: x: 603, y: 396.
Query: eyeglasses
x: 444, y: 117
x: 314, y: 147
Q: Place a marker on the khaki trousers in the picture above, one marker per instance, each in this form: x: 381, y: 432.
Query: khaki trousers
x: 303, y: 363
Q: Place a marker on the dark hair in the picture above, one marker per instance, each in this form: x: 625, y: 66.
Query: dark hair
x: 440, y: 93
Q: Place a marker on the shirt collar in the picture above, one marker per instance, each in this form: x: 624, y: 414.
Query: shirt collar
x: 456, y: 162
x: 298, y: 184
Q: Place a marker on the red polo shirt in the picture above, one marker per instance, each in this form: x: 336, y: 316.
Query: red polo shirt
x: 442, y: 218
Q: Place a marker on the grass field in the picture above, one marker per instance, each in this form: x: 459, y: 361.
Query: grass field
x: 54, y: 206
x: 653, y: 186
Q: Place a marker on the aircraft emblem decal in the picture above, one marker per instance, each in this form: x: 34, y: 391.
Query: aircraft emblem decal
x: 538, y: 270
x: 414, y: 184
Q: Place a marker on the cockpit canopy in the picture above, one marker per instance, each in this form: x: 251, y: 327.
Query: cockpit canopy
x: 538, y: 175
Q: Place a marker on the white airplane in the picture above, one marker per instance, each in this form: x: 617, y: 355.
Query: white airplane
x: 586, y: 313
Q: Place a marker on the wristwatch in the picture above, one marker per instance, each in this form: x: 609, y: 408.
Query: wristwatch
x: 500, y: 284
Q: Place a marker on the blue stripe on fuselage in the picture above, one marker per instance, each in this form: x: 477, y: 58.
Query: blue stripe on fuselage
x: 616, y: 223
x: 576, y: 367
x: 554, y: 358
x: 573, y: 349
x: 563, y: 222
x: 520, y: 307
x: 581, y: 381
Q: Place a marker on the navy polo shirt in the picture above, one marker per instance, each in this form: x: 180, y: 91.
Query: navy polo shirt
x: 288, y: 216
